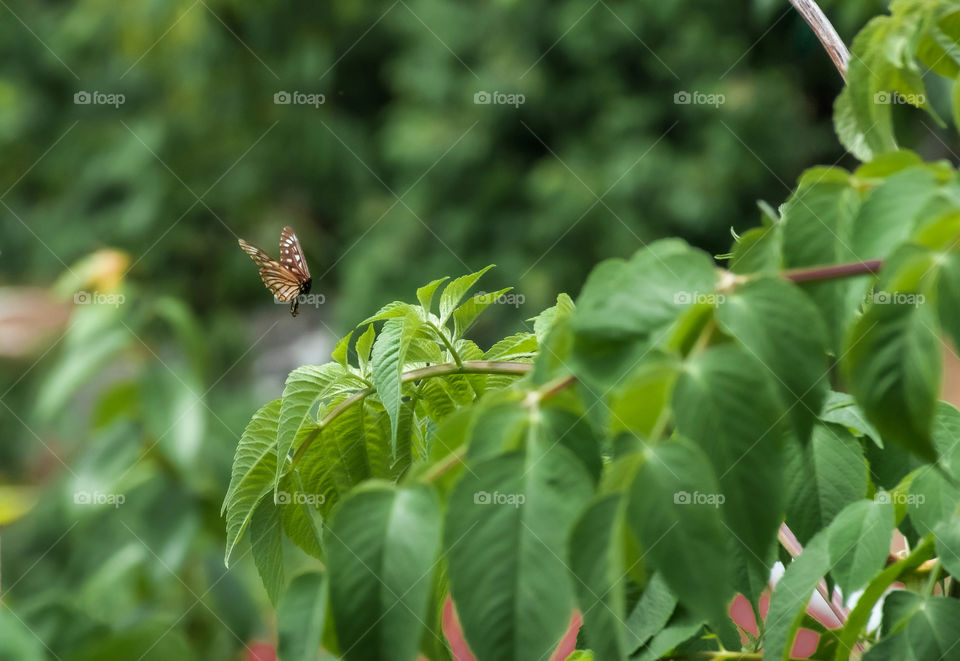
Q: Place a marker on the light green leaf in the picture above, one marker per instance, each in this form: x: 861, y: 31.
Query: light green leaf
x: 639, y: 404
x: 546, y: 320
x: 468, y: 311
x: 266, y: 540
x: 382, y: 549
x: 339, y: 352
x: 456, y: 290
x: 393, y: 310
x: 254, y: 468
x: 389, y: 357
x: 364, y: 343
x: 305, y: 388
x: 425, y: 293
x: 513, y: 347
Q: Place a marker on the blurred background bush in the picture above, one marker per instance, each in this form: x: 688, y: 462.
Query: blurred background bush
x: 141, y: 389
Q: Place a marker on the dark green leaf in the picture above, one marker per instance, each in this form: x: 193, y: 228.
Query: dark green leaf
x: 382, y: 549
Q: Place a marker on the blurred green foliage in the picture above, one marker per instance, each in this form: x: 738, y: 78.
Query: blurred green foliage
x: 148, y: 398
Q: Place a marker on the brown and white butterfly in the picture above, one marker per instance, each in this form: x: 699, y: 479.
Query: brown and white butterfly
x: 288, y: 279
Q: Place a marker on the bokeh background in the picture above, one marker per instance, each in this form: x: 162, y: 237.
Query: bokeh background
x: 136, y: 338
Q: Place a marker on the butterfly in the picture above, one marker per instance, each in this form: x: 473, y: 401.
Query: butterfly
x: 288, y: 279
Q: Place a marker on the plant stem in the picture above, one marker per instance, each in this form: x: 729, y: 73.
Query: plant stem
x: 833, y: 272
x: 932, y: 581
x: 442, y: 369
x: 447, y: 343
x: 825, y: 32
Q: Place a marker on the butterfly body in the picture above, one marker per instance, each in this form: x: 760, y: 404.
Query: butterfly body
x: 289, y: 278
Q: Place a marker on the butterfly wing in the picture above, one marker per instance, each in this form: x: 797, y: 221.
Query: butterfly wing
x: 291, y: 255
x: 283, y: 282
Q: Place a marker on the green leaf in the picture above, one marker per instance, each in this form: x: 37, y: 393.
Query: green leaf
x: 631, y: 299
x: 300, y: 617
x: 932, y: 633
x: 425, y: 293
x: 682, y: 628
x: 782, y: 328
x: 305, y: 388
x: 651, y: 613
x: 456, y: 290
x: 791, y: 594
x: 822, y: 478
x: 817, y: 223
x: 894, y: 368
x: 16, y: 640
x: 889, y: 213
x: 339, y: 352
x: 266, y: 539
x: 513, y: 347
x: 355, y: 447
x: 674, y: 511
x: 467, y: 312
x: 389, y: 353
x: 596, y: 559
x: 948, y: 295
x: 382, y: 549
x: 759, y: 250
x: 841, y: 408
x: 254, y: 467
x: 639, y: 404
x: 860, y: 614
x: 934, y: 500
x: 506, y: 536
x: 546, y: 320
x: 364, y: 343
x: 859, y: 541
x: 724, y: 401
x: 946, y: 536
x: 394, y: 310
